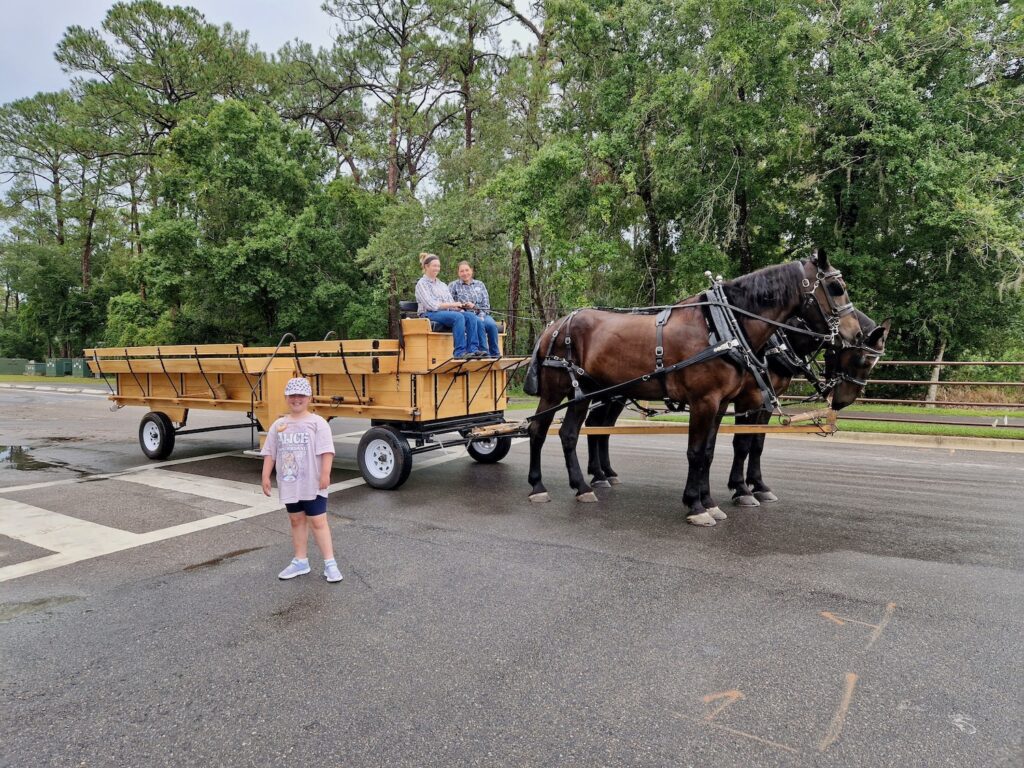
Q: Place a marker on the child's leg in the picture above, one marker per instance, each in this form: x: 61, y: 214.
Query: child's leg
x: 322, y: 536
x: 300, y: 533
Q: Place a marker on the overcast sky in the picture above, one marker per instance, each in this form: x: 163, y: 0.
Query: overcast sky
x: 31, y: 29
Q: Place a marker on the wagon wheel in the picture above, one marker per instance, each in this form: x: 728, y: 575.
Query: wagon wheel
x: 156, y: 435
x: 490, y: 450
x: 385, y: 459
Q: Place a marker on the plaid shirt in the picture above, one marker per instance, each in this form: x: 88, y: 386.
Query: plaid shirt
x: 474, y: 291
x: 431, y: 294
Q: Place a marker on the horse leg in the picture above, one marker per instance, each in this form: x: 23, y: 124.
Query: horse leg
x: 705, y: 491
x: 762, y: 492
x: 596, y: 418
x: 569, y: 434
x: 538, y: 431
x: 741, y: 447
x: 598, y: 463
x: 703, y: 424
x: 615, y: 409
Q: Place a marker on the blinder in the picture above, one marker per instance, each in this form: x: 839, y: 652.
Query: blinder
x: 829, y: 281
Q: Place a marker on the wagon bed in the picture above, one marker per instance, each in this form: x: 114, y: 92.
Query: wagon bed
x: 412, y: 389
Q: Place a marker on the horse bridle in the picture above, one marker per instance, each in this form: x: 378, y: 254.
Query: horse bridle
x: 835, y: 372
x: 838, y: 311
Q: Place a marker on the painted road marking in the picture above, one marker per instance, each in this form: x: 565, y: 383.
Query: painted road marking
x: 73, y: 540
x: 878, y: 628
x: 197, y: 485
x: 56, y: 532
x: 835, y: 728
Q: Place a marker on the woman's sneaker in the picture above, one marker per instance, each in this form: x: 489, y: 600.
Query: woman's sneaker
x: 295, y: 568
x: 331, y: 572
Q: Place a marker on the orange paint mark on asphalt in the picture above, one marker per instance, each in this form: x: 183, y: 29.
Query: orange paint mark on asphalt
x: 731, y: 697
x: 890, y: 609
x: 835, y: 728
x: 878, y: 628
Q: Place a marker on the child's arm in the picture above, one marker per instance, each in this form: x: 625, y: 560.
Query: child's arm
x: 268, y: 466
x: 325, y: 470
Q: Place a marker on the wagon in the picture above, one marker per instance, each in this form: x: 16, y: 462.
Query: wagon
x: 417, y: 396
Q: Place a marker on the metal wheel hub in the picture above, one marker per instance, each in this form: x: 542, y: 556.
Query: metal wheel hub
x: 485, y: 446
x: 151, y: 436
x: 380, y: 459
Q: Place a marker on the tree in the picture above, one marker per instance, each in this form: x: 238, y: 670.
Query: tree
x: 244, y: 243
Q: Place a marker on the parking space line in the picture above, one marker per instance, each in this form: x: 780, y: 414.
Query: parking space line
x: 197, y: 485
x: 109, y: 475
x: 57, y: 532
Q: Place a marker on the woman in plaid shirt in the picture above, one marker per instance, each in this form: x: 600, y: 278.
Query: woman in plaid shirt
x: 473, y: 295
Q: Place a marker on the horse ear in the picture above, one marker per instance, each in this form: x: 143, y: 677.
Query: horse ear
x: 821, y: 259
x: 880, y: 333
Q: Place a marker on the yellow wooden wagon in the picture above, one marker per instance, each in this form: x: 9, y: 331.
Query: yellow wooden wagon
x: 417, y: 396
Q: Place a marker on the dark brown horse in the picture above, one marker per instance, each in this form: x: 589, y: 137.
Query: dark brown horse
x: 592, y: 350
x: 846, y: 372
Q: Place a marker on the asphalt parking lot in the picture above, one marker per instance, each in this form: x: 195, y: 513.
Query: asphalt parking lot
x: 873, y: 617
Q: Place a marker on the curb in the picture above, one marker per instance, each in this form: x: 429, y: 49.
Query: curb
x: 47, y: 388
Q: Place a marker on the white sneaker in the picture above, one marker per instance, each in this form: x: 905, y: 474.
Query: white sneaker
x: 295, y: 568
x: 331, y: 572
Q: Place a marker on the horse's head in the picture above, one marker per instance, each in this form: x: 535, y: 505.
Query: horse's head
x: 827, y: 308
x: 847, y: 368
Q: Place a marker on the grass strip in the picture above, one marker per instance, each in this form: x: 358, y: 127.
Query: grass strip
x: 57, y: 381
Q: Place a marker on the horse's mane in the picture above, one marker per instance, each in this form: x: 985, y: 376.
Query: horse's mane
x: 773, y: 286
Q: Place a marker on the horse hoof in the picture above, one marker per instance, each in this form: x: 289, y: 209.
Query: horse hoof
x: 703, y: 519
x: 716, y: 513
x: 600, y: 484
x: 614, y: 481
x: 587, y: 497
x: 540, y: 498
x: 746, y: 501
x: 765, y: 496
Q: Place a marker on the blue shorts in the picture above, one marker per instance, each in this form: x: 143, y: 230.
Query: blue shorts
x: 312, y: 507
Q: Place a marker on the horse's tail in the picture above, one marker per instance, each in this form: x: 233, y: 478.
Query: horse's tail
x: 531, y: 385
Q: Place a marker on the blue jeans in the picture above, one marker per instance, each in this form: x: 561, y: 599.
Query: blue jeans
x: 489, y: 335
x: 464, y: 326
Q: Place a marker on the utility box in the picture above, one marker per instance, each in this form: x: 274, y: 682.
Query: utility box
x: 58, y: 366
x: 13, y: 365
x: 80, y: 368
x: 35, y: 369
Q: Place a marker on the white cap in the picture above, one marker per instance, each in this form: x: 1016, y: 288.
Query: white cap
x: 298, y: 387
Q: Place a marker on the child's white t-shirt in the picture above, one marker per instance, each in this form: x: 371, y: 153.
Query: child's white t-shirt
x: 297, y: 445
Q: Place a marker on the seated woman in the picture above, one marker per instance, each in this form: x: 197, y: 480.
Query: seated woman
x: 473, y: 295
x: 436, y: 304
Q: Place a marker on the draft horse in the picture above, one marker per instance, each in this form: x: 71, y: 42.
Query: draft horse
x: 785, y: 355
x: 592, y: 352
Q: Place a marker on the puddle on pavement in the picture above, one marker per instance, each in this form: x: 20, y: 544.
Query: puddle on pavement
x: 10, y: 611
x: 19, y: 457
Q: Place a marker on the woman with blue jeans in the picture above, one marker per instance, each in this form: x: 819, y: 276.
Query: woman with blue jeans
x: 437, y: 305
x: 473, y: 295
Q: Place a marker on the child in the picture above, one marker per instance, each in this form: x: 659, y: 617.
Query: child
x: 302, y: 447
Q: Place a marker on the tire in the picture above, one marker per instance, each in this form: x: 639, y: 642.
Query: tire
x: 491, y: 450
x: 156, y: 435
x: 385, y: 459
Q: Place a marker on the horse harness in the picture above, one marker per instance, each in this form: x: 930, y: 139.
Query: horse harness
x: 726, y: 339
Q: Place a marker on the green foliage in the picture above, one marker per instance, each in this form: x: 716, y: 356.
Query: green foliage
x: 245, y: 243
x: 189, y: 187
